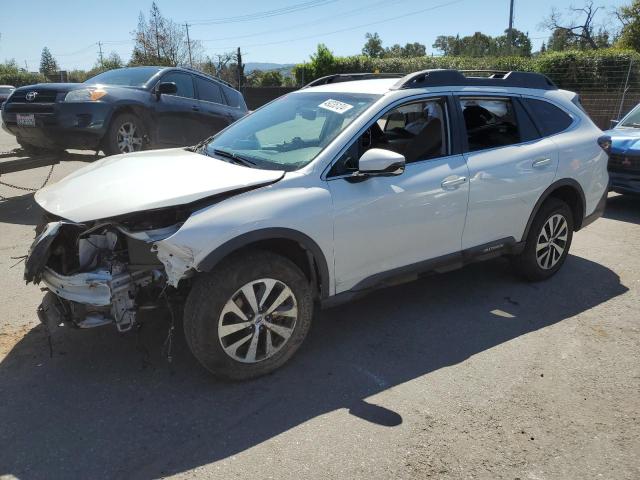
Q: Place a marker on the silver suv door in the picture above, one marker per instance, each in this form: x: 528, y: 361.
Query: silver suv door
x: 510, y: 166
x: 385, y: 223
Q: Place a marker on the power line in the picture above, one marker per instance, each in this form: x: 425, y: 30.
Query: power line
x: 348, y: 13
x: 351, y: 28
x: 264, y: 14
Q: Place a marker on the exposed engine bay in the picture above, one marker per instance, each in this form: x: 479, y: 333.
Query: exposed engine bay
x: 98, y: 274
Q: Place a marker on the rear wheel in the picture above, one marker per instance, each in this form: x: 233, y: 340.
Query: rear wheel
x: 548, y: 241
x: 249, y: 316
x: 126, y: 134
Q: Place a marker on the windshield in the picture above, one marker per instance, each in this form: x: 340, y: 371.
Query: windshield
x: 6, y: 90
x: 129, y: 77
x: 632, y: 119
x: 290, y: 132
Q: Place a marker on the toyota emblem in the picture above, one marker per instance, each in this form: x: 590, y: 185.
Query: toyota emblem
x: 31, y: 96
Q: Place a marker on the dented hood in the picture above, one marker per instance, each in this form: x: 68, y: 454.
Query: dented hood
x: 142, y: 181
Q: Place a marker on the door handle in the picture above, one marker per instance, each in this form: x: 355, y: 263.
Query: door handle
x: 195, y: 108
x: 453, y: 182
x: 541, y: 163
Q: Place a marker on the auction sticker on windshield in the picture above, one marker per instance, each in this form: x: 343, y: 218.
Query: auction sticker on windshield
x: 335, y: 106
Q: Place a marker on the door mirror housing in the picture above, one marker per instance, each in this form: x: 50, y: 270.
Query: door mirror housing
x: 168, y: 88
x: 378, y: 162
x: 614, y: 123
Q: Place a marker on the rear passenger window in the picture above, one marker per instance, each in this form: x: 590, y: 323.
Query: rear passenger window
x: 209, y: 91
x: 234, y: 98
x: 549, y: 118
x: 490, y: 122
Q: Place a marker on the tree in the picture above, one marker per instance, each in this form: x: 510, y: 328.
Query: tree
x: 448, y: 45
x: 408, y: 51
x: 48, y: 64
x: 160, y: 41
x: 520, y: 44
x: 373, y: 46
x: 578, y: 31
x: 112, y: 61
x: 629, y: 17
x: 322, y: 62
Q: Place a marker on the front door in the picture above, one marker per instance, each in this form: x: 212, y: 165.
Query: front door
x: 510, y: 166
x: 177, y: 116
x: 386, y: 223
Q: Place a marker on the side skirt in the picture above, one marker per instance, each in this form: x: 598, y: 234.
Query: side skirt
x: 445, y: 263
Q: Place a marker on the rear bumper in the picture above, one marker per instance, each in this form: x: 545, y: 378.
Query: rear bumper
x: 598, y: 212
x: 60, y: 125
x: 625, y: 182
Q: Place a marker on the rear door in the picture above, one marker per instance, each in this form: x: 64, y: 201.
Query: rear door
x: 510, y: 165
x: 177, y: 116
x: 214, y: 114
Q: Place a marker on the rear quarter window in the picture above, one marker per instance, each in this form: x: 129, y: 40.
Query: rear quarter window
x: 549, y: 118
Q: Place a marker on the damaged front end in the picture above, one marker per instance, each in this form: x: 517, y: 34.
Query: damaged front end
x: 98, y: 273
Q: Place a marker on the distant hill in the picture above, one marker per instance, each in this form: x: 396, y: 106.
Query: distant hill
x: 265, y: 66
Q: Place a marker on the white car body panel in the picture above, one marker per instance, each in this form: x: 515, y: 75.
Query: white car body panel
x: 144, y: 181
x: 385, y: 223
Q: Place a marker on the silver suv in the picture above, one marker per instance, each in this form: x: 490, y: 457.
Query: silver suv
x: 316, y: 198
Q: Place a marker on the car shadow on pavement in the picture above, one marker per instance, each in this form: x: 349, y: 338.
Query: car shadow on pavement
x: 110, y: 407
x: 625, y: 208
x: 21, y: 209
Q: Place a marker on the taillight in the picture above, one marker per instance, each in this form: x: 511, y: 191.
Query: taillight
x: 605, y: 143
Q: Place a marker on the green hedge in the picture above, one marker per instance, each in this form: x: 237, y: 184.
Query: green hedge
x: 20, y: 78
x: 602, y: 69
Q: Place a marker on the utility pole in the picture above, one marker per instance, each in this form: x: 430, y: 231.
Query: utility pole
x: 186, y: 25
x: 26, y: 67
x: 239, y: 68
x: 510, y: 32
x: 100, y: 53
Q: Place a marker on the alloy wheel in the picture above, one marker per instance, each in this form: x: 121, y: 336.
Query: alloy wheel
x: 258, y: 320
x: 552, y: 241
x: 128, y: 138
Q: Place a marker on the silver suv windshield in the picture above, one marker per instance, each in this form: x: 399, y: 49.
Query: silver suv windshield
x: 290, y: 132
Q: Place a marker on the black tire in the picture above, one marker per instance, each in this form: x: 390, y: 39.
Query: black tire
x: 212, y: 291
x: 527, y: 263
x: 110, y: 142
x: 30, y: 149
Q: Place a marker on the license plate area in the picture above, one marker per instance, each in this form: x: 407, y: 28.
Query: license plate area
x: 26, y: 119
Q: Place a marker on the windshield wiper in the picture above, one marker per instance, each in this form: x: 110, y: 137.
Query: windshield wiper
x: 236, y: 158
x: 200, y: 146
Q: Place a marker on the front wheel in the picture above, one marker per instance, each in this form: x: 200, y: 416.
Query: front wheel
x: 249, y: 316
x: 548, y: 242
x: 126, y: 134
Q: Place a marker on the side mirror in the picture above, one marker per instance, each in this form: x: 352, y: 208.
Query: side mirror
x: 381, y: 163
x: 168, y: 88
x: 614, y: 123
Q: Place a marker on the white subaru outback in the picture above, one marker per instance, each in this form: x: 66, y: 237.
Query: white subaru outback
x: 316, y: 198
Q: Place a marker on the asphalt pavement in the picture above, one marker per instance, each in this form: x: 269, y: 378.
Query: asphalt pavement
x: 468, y: 374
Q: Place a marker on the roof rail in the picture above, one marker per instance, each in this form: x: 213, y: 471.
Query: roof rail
x: 350, y: 77
x: 493, y: 78
x: 195, y: 70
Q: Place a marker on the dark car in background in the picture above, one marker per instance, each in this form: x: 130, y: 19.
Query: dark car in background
x: 122, y: 110
x: 5, y: 91
x: 624, y: 159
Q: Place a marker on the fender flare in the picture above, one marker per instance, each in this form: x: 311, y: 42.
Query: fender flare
x: 565, y: 182
x: 306, y: 242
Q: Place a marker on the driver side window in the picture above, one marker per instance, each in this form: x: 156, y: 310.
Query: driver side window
x: 417, y: 130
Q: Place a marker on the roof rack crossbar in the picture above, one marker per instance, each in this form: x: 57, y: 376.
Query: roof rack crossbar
x: 497, y: 78
x: 350, y: 77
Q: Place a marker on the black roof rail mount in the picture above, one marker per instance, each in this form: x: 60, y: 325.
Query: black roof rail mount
x: 350, y: 77
x: 457, y: 78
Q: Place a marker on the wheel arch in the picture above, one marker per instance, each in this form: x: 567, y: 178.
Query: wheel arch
x: 292, y: 244
x: 567, y: 190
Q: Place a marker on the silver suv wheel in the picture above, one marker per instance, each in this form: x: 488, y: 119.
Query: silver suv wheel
x: 258, y: 320
x: 552, y: 241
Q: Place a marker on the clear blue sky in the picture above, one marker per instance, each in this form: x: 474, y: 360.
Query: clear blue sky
x: 69, y: 28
